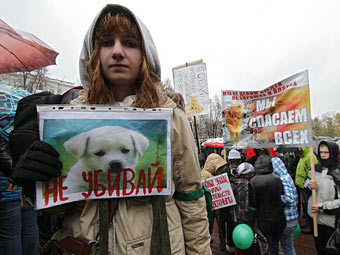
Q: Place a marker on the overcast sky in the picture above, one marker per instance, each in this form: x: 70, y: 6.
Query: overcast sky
x: 246, y: 45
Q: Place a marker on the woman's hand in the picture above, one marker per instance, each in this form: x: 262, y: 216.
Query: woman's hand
x: 315, y: 208
x: 11, y: 187
x: 312, y: 184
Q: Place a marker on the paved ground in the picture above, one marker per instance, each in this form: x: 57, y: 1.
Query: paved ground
x: 304, y: 244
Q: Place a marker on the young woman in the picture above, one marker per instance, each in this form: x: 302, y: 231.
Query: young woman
x: 119, y: 66
x: 327, y: 185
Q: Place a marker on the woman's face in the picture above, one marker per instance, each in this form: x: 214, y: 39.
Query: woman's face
x: 120, y: 60
x: 324, y: 152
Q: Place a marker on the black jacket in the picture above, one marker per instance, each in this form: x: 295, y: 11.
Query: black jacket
x: 26, y: 126
x: 265, y: 196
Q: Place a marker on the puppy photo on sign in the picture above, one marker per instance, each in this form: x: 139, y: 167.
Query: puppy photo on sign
x: 98, y: 154
x: 105, y: 153
x: 106, y: 148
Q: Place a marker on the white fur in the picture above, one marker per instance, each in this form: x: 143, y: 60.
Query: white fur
x: 100, y: 147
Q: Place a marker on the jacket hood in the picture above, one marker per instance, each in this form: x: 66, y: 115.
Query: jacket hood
x: 257, y: 151
x: 332, y: 162
x: 244, y: 169
x: 213, y: 163
x: 279, y: 167
x: 305, y: 151
x: 234, y: 154
x: 263, y: 165
x: 148, y: 45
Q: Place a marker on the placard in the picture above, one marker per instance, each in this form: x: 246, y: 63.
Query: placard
x: 221, y: 192
x: 106, y: 152
x: 278, y: 116
x: 191, y: 81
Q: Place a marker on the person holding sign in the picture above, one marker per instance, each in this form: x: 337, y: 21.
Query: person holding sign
x: 214, y: 165
x: 119, y: 66
x: 327, y: 185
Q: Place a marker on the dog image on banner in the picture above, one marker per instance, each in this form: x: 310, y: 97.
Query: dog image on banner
x: 234, y: 121
x: 103, y: 148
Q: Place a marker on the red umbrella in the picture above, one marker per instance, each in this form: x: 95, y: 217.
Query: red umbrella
x: 23, y: 52
x: 214, y: 142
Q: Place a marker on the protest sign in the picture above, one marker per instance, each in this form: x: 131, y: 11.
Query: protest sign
x: 191, y: 81
x: 278, y: 116
x: 106, y: 152
x: 221, y: 192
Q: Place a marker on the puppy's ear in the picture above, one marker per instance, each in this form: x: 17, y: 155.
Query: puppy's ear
x: 140, y: 142
x: 77, y: 145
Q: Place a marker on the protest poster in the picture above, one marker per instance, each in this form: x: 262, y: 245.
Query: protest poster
x: 106, y: 152
x: 191, y: 81
x: 278, y: 116
x: 221, y: 192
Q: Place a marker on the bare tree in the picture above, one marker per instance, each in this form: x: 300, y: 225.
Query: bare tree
x: 210, y: 125
x: 166, y: 86
x: 34, y: 80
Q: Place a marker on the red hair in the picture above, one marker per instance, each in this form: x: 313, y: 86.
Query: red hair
x: 147, y: 94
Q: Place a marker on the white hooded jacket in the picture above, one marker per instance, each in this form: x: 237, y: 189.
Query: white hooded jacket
x: 131, y: 230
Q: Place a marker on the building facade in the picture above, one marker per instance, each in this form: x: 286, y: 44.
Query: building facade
x: 36, y: 82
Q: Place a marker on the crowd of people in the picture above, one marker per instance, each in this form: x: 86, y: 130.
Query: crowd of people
x: 272, y: 189
x: 119, y: 66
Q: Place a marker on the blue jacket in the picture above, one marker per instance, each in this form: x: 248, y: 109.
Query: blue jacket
x: 5, y: 195
x: 289, y: 197
x: 5, y: 169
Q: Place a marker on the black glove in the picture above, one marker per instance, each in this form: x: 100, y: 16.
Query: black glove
x: 39, y: 163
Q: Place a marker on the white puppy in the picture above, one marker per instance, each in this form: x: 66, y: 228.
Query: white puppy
x: 109, y: 147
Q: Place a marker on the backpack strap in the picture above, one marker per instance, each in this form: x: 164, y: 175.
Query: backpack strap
x: 160, y: 240
x: 103, y: 226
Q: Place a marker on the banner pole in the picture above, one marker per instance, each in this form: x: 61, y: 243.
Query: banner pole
x: 197, y: 138
x: 315, y: 215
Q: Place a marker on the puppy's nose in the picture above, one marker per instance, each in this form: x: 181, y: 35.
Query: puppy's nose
x: 115, y: 166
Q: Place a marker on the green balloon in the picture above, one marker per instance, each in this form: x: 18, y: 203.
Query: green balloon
x: 243, y: 236
x: 297, y: 231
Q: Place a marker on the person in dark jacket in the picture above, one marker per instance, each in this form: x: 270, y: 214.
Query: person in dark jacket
x: 234, y: 160
x: 265, y: 202
x: 333, y: 243
x: 258, y: 152
x: 214, y: 165
x: 301, y: 174
x: 293, y: 160
x: 327, y: 185
x: 240, y: 212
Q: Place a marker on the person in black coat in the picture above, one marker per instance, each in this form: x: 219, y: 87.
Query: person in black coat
x: 265, y: 202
